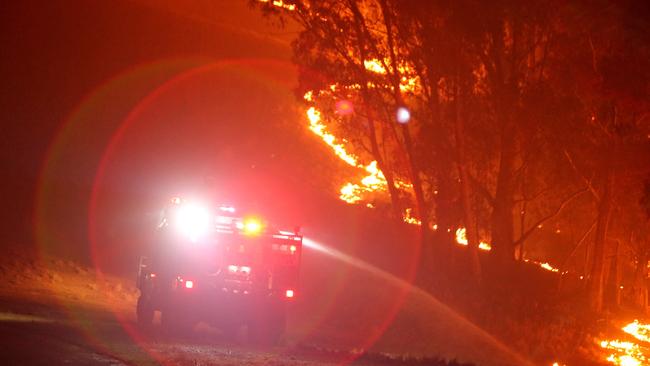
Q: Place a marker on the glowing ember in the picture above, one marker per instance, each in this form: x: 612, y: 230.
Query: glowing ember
x: 545, y: 265
x: 280, y: 4
x: 374, y: 66
x: 410, y: 219
x: 625, y: 353
x: 548, y: 267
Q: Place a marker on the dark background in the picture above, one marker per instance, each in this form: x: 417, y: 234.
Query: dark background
x: 175, y: 97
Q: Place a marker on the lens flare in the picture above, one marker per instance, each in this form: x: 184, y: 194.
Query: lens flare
x: 403, y: 115
x: 344, y: 107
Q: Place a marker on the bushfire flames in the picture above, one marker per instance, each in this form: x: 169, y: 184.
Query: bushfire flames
x: 350, y: 192
x: 375, y: 181
x: 461, y: 238
x: 626, y: 353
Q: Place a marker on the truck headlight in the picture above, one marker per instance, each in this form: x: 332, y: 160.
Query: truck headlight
x: 193, y: 221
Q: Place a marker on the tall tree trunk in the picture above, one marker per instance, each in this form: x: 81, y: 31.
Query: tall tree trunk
x: 639, y: 287
x: 618, y: 274
x: 465, y: 194
x: 361, y: 47
x: 502, y: 225
x: 393, y: 72
x: 421, y: 211
x: 598, y: 272
x: 374, y: 145
x: 505, y: 92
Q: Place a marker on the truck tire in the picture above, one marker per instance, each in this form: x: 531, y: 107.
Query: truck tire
x: 144, y: 311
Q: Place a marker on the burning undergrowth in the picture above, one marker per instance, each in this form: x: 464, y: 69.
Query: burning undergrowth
x: 549, y: 322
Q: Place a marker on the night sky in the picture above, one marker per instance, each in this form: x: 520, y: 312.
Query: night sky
x: 73, y: 71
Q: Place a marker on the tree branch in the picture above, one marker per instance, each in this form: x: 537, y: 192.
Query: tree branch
x: 566, y: 201
x: 575, y: 249
x: 587, y: 182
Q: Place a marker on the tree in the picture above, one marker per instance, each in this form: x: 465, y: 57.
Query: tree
x: 598, y: 63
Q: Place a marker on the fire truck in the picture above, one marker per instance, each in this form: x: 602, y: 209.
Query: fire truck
x: 211, y: 265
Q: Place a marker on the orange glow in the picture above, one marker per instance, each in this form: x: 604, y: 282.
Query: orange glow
x: 289, y: 294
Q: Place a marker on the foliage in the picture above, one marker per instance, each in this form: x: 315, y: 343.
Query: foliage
x: 552, y: 99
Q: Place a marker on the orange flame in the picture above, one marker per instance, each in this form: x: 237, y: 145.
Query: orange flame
x: 317, y: 127
x: 280, y: 4
x: 406, y: 83
x: 461, y: 238
x: 638, y: 330
x: 547, y: 266
x: 625, y: 353
x: 374, y: 180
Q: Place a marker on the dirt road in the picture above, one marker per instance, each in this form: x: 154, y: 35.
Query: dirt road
x: 58, y: 312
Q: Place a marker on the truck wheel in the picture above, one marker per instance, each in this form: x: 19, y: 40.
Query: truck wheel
x: 144, y: 311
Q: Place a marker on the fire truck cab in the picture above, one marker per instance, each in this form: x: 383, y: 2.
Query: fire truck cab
x: 210, y: 265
